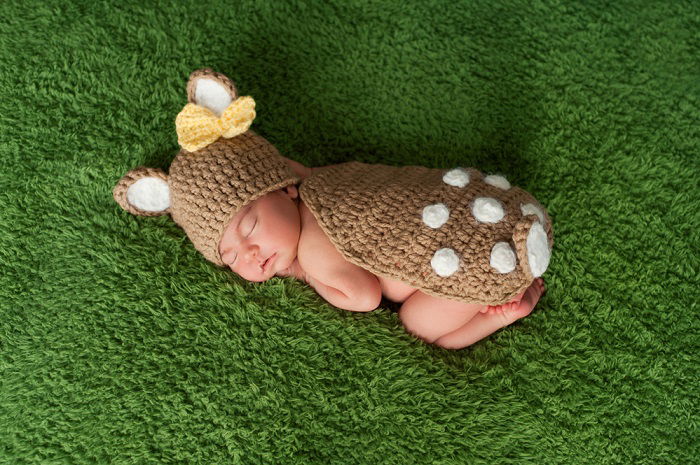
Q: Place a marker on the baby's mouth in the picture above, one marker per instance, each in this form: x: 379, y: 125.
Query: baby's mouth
x: 268, y: 262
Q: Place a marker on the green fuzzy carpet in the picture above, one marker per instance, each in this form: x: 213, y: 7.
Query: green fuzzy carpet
x: 120, y: 344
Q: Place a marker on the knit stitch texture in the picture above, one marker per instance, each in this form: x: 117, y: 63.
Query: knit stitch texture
x: 373, y: 216
x: 213, y: 177
x: 120, y: 345
x: 210, y: 186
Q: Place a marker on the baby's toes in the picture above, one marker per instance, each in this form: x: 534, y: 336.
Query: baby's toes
x: 493, y: 309
x: 541, y: 286
x: 507, y: 307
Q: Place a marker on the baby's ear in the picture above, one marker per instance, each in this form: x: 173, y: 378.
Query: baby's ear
x: 144, y: 192
x: 211, y: 90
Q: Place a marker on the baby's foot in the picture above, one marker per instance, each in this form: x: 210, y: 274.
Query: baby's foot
x: 523, y: 304
x: 506, y: 306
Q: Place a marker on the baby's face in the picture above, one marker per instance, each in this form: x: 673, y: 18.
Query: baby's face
x: 262, y: 238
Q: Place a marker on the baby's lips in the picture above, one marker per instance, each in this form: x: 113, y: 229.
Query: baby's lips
x: 268, y: 263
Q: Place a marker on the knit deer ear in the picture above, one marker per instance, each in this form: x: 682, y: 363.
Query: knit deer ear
x: 211, y: 90
x: 143, y: 192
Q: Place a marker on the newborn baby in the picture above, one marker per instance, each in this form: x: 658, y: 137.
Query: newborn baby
x: 277, y: 235
x: 461, y: 251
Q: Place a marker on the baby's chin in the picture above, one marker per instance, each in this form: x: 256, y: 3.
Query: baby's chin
x: 282, y: 263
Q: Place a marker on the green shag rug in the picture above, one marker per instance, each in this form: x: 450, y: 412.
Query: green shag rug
x: 120, y: 344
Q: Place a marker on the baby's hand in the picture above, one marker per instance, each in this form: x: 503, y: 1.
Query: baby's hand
x: 300, y: 170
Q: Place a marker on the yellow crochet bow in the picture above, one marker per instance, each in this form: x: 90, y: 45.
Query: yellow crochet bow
x: 198, y: 127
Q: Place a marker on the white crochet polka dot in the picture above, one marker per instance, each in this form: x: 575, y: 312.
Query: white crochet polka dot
x: 498, y: 181
x: 488, y: 210
x: 503, y: 257
x: 538, y: 252
x: 445, y: 262
x: 149, y: 194
x: 435, y: 215
x: 532, y: 209
x: 457, y: 177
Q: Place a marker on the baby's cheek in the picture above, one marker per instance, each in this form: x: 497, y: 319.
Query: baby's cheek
x: 239, y: 272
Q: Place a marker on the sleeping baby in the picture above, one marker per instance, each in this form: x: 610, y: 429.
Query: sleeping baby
x: 462, y: 252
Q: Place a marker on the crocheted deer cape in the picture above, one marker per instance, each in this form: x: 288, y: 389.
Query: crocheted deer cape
x: 456, y: 234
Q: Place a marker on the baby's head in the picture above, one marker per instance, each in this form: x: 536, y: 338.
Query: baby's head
x: 225, y: 182
x: 261, y: 240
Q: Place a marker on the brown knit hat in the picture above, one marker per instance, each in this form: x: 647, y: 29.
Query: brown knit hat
x: 219, y: 174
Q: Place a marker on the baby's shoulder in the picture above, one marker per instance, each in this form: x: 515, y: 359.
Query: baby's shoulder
x: 315, y: 250
x: 312, y: 238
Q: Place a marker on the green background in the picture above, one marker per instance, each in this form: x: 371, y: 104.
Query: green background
x: 120, y: 344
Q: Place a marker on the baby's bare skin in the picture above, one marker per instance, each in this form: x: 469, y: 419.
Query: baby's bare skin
x: 276, y: 235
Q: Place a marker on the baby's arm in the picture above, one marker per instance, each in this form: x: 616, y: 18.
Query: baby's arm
x: 341, y: 283
x: 353, y: 296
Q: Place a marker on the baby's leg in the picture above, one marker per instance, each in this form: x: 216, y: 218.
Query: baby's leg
x: 429, y: 317
x: 493, y: 319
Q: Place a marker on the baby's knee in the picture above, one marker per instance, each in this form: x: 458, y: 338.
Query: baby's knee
x: 417, y: 322
x: 428, y: 317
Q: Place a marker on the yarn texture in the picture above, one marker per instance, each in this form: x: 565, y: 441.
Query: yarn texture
x: 210, y: 186
x: 374, y: 216
x: 221, y: 167
x: 198, y: 126
x: 450, y: 233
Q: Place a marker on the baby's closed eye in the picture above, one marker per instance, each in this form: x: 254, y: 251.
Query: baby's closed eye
x: 229, y: 257
x: 248, y: 225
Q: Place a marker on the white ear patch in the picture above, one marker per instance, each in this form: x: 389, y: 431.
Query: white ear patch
x: 210, y: 94
x: 538, y: 252
x: 149, y: 194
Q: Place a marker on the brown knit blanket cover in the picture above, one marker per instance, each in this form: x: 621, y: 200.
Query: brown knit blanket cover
x: 373, y: 215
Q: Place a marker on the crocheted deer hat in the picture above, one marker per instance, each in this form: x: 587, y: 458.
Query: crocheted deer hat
x: 221, y: 168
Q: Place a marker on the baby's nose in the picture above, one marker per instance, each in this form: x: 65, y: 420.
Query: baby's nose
x: 253, y: 254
